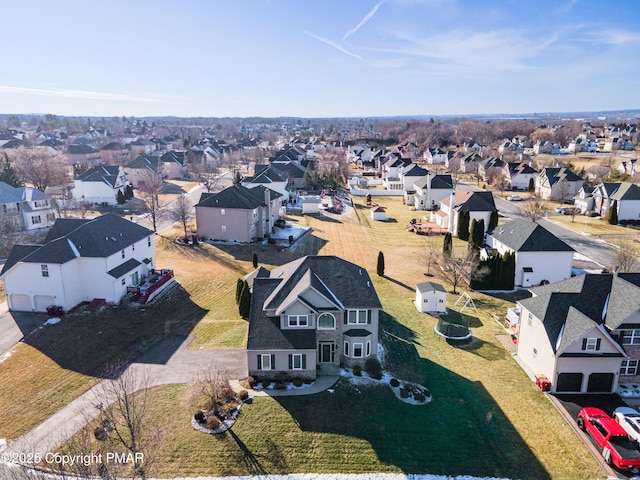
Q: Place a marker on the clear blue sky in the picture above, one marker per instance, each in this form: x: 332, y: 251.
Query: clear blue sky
x: 318, y: 58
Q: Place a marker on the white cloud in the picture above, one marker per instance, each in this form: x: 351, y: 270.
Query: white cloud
x: 333, y: 44
x: 82, y: 94
x: 464, y: 51
x: 366, y: 18
x: 614, y: 37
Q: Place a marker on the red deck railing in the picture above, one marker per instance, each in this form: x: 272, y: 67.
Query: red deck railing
x: 145, y: 292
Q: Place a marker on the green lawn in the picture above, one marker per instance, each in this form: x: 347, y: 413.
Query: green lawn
x: 486, y: 418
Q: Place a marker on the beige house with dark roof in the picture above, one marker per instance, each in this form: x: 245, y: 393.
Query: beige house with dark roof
x: 583, y: 333
x: 480, y: 206
x: 238, y: 214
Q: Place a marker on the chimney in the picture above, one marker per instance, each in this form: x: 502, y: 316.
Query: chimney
x: 452, y: 203
x: 267, y: 201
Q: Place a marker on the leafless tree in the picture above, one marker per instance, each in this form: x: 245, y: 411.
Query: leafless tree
x: 180, y: 211
x: 562, y: 190
x: 41, y: 167
x: 501, y: 182
x: 542, y: 135
x: 213, y: 384
x: 150, y: 188
x: 533, y: 209
x: 460, y: 266
x: 432, y: 249
x: 626, y: 258
x: 206, y: 174
x: 124, y: 399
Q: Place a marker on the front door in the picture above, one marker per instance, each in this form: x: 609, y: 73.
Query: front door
x: 327, y: 352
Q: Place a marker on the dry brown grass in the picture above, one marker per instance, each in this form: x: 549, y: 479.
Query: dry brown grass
x: 485, y: 418
x: 33, y: 387
x: 593, y: 226
x: 209, y: 275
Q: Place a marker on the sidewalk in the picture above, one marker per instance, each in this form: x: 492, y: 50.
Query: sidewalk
x: 182, y: 367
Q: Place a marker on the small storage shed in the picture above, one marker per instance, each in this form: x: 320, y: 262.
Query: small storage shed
x: 431, y: 297
x: 378, y: 213
x: 310, y: 203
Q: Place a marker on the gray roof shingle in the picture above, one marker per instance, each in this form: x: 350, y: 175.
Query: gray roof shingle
x: 522, y: 235
x: 237, y: 196
x: 101, y: 237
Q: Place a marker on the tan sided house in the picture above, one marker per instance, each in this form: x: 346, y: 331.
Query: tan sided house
x: 238, y: 214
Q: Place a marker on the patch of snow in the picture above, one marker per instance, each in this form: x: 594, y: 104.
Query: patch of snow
x: 349, y: 476
x: 52, y: 321
x: 289, y: 230
x: 288, y: 386
x: 3, y: 357
x: 3, y: 444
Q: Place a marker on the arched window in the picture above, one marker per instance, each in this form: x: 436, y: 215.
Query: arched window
x: 326, y: 321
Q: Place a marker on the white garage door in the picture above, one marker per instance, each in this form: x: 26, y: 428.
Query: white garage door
x: 42, y: 302
x: 20, y: 303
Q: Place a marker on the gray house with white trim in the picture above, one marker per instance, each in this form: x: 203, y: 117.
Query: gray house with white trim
x: 311, y: 316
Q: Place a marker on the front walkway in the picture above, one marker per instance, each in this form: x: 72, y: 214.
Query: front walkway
x: 320, y: 384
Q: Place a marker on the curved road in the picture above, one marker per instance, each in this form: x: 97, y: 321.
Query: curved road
x: 592, y: 247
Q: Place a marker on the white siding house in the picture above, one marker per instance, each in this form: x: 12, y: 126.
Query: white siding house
x: 582, y: 333
x: 80, y: 260
x: 540, y: 255
x: 100, y: 184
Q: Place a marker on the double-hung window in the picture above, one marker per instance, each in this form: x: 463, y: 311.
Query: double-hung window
x: 631, y: 337
x: 357, y: 316
x: 297, y: 361
x: 297, y: 321
x: 629, y: 367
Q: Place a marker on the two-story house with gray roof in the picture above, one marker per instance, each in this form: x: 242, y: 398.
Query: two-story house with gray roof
x: 25, y: 208
x: 626, y: 194
x: 83, y: 155
x: 311, y: 316
x: 558, y: 184
x: 269, y: 176
x: 583, y: 333
x: 429, y: 191
x: 540, y: 255
x: 238, y: 214
x: 100, y: 184
x: 79, y: 260
x: 520, y: 174
x: 479, y: 205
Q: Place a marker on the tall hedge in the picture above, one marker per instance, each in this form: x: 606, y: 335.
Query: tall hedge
x: 463, y: 225
x: 447, y: 245
x: 493, y: 221
x: 612, y: 214
x: 244, y: 305
x: 380, y: 265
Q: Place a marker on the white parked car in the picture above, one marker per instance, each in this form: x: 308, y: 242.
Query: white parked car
x: 515, y: 198
x: 629, y: 419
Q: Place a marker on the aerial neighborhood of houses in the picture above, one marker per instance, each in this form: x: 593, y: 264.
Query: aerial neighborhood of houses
x: 85, y: 238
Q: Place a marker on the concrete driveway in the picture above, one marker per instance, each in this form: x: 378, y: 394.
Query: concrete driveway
x: 15, y: 325
x: 167, y: 362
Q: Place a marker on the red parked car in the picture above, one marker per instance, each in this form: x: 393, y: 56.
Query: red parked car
x: 616, y: 447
